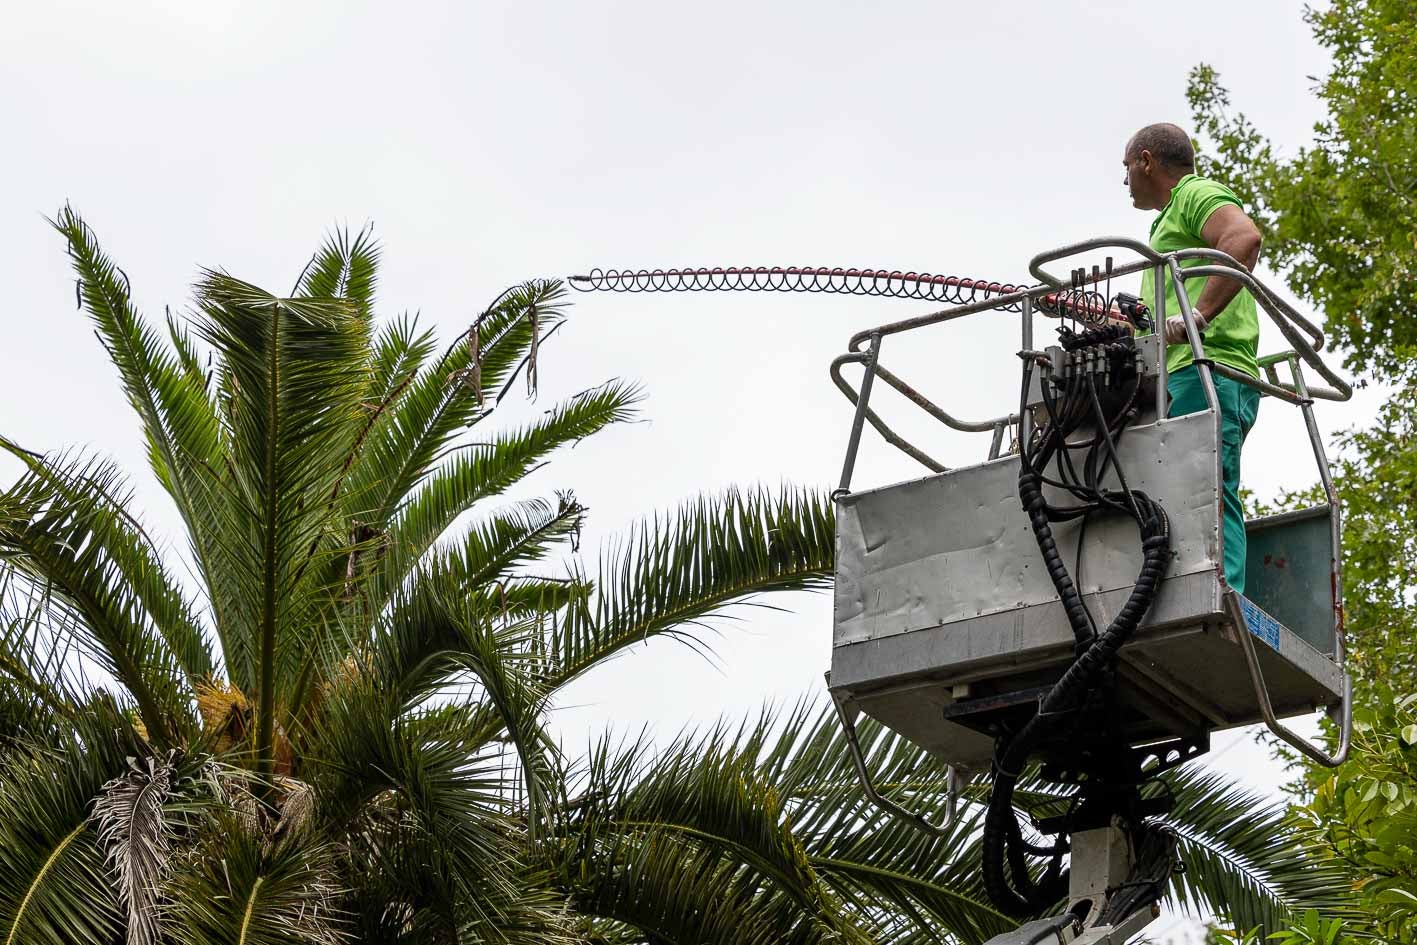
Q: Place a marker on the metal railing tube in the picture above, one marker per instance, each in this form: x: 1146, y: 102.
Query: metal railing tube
x: 848, y: 724
x: 864, y: 414
x: 1212, y: 399
x: 857, y: 422
x: 1252, y: 662
x: 1149, y: 257
x: 1281, y: 320
x: 1258, y: 288
x: 1274, y: 390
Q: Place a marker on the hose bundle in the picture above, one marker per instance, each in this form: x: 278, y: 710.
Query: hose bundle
x: 1007, y: 875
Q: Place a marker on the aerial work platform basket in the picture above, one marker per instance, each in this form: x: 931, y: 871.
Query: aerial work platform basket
x: 947, y: 627
x: 1015, y: 611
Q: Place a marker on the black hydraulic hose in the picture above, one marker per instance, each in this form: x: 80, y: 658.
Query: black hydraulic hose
x: 1111, y: 446
x: 1155, y: 860
x: 1007, y: 878
x: 1023, y: 896
x: 1030, y: 491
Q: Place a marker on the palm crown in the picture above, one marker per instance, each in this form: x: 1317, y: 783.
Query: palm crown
x: 338, y: 732
x: 344, y: 684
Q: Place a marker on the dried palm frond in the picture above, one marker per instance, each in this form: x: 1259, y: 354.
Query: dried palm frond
x: 137, y: 839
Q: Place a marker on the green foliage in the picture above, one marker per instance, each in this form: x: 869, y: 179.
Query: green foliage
x: 1337, y: 219
x: 774, y: 806
x: 1377, y: 481
x: 1310, y: 929
x: 1337, y: 216
x: 1365, y: 812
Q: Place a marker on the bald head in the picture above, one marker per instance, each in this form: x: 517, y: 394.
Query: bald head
x: 1156, y: 159
x: 1168, y: 144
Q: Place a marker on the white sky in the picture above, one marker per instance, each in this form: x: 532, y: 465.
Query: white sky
x: 494, y: 142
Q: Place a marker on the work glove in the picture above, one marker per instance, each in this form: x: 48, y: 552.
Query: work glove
x: 1175, y: 330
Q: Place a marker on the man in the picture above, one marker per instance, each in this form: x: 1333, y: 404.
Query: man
x: 1197, y: 212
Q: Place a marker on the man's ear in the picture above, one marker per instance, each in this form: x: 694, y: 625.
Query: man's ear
x: 1148, y: 163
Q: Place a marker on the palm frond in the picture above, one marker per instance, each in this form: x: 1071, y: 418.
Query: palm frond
x: 1242, y: 857
x: 405, y: 891
x: 715, y: 552
x: 345, y: 268
x: 419, y: 423
x: 75, y: 483
x: 482, y: 471
x: 64, y: 527
x: 166, y: 389
x: 375, y: 771
x: 880, y: 865
x: 508, y: 539
x: 436, y: 630
x: 666, y: 890
x: 131, y: 827
x: 707, y: 791
x: 918, y: 882
x: 36, y: 662
x: 525, y: 597
x: 397, y: 353
x: 54, y: 888
x: 293, y: 370
x: 364, y: 743
x: 242, y: 889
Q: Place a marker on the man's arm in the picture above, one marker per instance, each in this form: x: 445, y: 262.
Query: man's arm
x: 1229, y: 230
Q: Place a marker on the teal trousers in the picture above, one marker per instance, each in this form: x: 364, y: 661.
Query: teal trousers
x: 1238, y: 406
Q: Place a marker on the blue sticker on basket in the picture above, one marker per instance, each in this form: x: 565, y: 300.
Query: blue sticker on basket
x: 1260, y: 623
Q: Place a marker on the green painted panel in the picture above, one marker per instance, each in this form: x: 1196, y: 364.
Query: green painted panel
x: 1287, y: 573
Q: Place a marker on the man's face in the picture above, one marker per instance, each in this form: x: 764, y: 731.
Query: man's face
x: 1138, y: 177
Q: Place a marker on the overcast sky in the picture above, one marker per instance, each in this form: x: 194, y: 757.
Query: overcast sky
x: 492, y: 142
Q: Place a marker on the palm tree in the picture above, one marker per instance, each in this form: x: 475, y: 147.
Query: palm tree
x: 336, y: 731
x: 757, y: 832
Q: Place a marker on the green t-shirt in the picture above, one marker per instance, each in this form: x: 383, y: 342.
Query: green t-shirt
x: 1233, y: 337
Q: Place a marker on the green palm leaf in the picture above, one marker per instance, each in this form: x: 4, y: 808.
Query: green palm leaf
x: 293, y: 372
x: 438, y: 631
x: 420, y: 422
x: 167, y: 390
x: 670, y: 574
x: 371, y: 763
x: 37, y: 682
x: 1243, y: 858
x: 344, y: 268
x: 706, y: 790
x: 475, y: 474
x: 64, y: 528
x: 241, y: 889
x: 659, y: 889
x: 54, y: 887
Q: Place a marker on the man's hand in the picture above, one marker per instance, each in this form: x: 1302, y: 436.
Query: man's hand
x: 1175, y: 330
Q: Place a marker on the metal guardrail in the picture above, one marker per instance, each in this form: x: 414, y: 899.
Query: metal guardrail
x: 1305, y: 339
x: 847, y: 713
